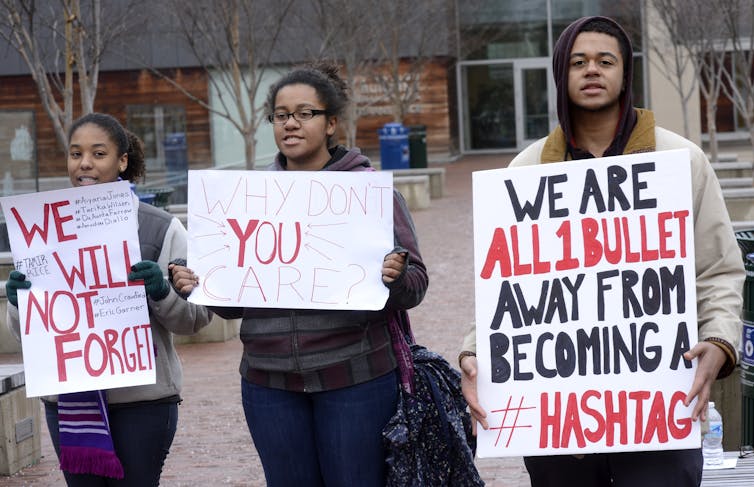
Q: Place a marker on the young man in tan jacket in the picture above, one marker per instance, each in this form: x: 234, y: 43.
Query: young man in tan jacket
x: 592, y: 63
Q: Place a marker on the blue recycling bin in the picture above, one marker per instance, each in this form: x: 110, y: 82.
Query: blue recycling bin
x: 176, y: 163
x: 176, y: 159
x: 394, y: 153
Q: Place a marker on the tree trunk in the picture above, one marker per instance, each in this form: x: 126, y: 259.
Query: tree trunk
x: 712, y: 131
x: 249, y: 141
x: 350, y: 125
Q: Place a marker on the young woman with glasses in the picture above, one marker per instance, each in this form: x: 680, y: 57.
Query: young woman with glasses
x: 321, y: 425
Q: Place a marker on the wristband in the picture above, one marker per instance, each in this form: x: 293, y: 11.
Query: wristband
x: 730, y: 356
x: 465, y: 353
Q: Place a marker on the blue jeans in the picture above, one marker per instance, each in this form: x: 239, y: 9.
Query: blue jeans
x: 142, y: 436
x: 331, y: 438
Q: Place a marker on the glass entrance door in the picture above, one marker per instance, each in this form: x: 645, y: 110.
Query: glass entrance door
x: 505, y: 105
x: 534, y: 101
x: 488, y: 107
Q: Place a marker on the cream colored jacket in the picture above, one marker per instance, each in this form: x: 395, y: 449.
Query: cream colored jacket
x: 719, y: 266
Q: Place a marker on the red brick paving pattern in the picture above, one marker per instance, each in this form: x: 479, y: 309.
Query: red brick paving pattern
x: 213, y: 445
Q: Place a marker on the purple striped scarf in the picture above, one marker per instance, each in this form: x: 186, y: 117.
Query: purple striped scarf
x: 86, y: 446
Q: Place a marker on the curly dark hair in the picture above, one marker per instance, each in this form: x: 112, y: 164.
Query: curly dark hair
x: 126, y: 142
x: 323, y: 76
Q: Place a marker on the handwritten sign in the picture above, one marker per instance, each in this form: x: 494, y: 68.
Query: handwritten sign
x: 84, y: 326
x: 313, y: 240
x: 585, y: 302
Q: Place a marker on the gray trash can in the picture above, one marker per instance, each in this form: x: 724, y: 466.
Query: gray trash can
x: 417, y: 145
x: 746, y: 243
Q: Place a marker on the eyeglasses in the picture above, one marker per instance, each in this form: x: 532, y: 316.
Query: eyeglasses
x: 279, y: 118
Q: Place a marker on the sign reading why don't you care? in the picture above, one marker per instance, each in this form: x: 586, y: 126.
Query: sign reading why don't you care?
x: 288, y: 239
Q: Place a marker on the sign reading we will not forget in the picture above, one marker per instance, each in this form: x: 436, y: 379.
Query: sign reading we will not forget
x: 585, y: 303
x: 290, y: 239
x: 83, y: 325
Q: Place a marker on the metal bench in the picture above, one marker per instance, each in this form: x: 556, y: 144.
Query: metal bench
x: 742, y: 475
x: 740, y: 203
x: 732, y: 169
x: 738, y: 182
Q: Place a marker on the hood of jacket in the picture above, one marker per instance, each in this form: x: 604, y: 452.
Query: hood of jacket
x: 341, y: 159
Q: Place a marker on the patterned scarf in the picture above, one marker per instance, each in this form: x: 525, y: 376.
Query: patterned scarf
x: 402, y: 338
x: 86, y: 446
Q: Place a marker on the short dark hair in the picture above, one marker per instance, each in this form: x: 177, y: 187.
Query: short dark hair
x: 602, y: 26
x: 126, y: 142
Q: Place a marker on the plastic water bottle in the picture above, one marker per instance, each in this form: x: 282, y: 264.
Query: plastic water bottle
x: 712, y: 444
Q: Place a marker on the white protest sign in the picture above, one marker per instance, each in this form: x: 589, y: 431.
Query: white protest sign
x: 585, y: 301
x: 288, y: 239
x: 84, y: 326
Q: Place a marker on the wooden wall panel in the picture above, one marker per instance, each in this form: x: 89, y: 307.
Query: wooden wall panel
x: 431, y: 110
x: 117, y: 90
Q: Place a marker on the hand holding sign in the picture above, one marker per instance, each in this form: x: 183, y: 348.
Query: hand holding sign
x: 154, y: 282
x: 184, y: 280
x: 393, y: 266
x: 16, y: 280
x: 711, y: 359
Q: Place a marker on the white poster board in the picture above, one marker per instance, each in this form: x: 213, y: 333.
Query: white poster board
x: 288, y: 239
x: 84, y: 326
x: 585, y: 301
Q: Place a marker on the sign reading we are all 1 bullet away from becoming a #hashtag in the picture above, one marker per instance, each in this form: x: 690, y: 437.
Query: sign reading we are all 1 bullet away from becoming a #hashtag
x: 585, y: 303
x: 288, y: 239
x: 83, y: 324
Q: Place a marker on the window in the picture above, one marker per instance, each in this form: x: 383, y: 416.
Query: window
x: 17, y: 152
x: 162, y: 128
x: 503, y: 29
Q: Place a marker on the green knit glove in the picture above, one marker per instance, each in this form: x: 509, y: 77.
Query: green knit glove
x: 154, y: 283
x: 16, y: 280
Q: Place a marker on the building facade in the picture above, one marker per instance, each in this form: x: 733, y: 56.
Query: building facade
x: 489, y: 90
x: 506, y: 91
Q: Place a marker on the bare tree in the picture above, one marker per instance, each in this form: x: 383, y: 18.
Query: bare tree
x: 233, y: 41
x: 412, y: 34
x: 705, y: 31
x: 61, y: 44
x: 353, y: 44
x: 478, y: 24
x: 673, y: 59
x: 739, y: 84
x: 694, y: 28
x: 388, y: 48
